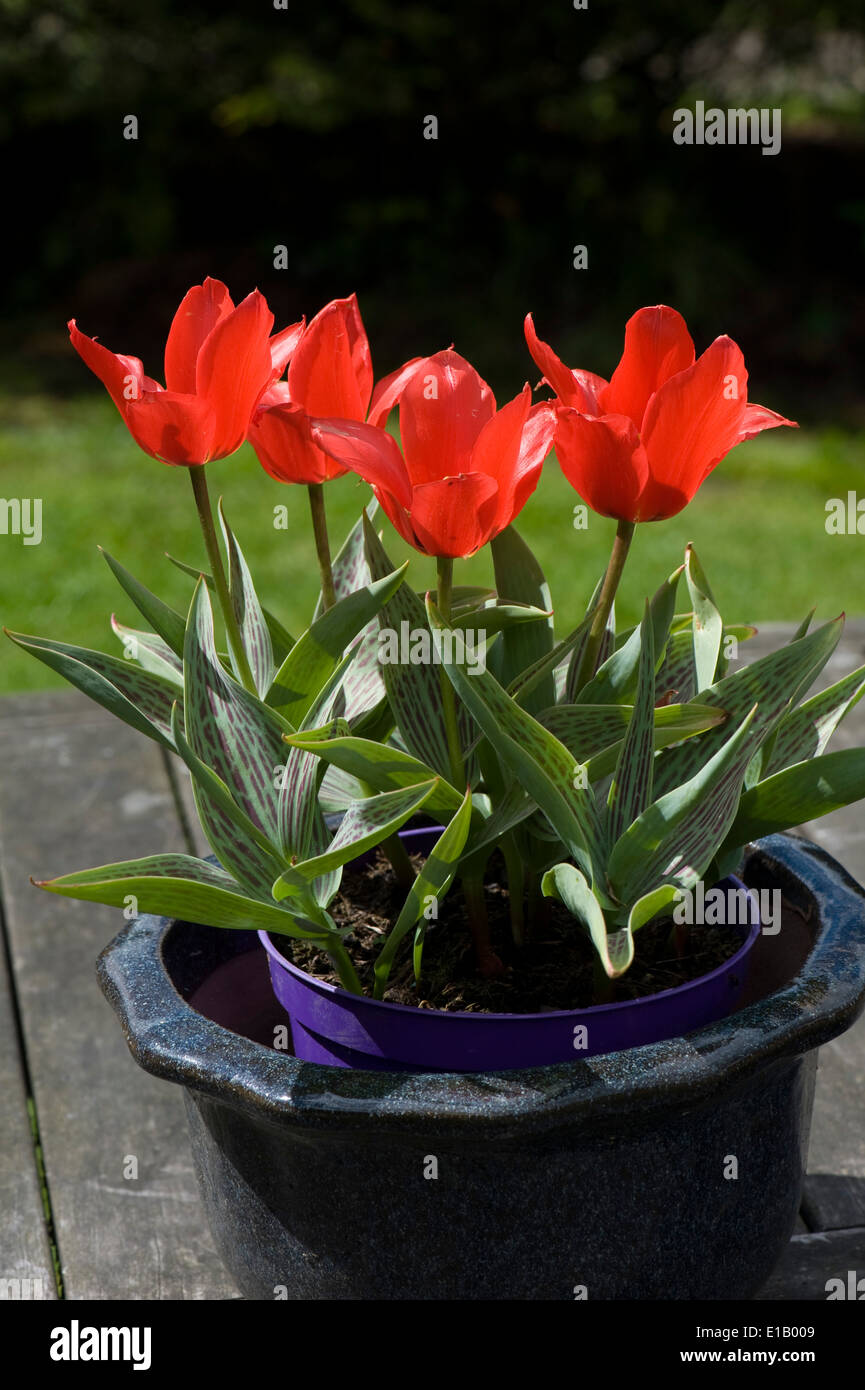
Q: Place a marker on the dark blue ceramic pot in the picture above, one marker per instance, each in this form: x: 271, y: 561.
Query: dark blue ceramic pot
x: 667, y: 1171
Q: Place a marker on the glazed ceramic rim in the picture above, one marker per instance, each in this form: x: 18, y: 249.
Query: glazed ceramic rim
x: 170, y: 1039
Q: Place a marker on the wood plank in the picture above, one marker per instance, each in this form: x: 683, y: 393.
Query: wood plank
x: 78, y: 788
x: 26, y: 1269
x: 833, y: 1202
x: 810, y: 1261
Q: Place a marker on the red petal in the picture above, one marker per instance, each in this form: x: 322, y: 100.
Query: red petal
x: 454, y: 516
x: 758, y: 418
x: 331, y: 371
x: 371, y: 453
x: 511, y: 448
x: 389, y: 390
x: 281, y: 437
x: 657, y: 345
x: 113, y: 370
x: 201, y: 309
x: 443, y: 408
x: 172, y: 427
x: 283, y: 345
x: 691, y: 423
x: 234, y: 369
x: 577, y: 388
x: 604, y: 460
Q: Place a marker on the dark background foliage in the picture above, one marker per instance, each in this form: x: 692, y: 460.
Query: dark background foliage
x: 304, y: 127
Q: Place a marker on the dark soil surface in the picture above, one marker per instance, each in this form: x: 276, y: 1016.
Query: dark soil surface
x: 554, y: 969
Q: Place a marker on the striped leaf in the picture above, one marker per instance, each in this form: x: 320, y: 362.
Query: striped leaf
x: 676, y: 838
x: 798, y: 794
x: 236, y: 841
x: 615, y: 949
x: 631, y: 788
x: 140, y: 698
x: 431, y: 883
x: 280, y: 638
x: 589, y: 730
x: 381, y: 766
x: 349, y: 567
x: 149, y: 651
x: 316, y: 655
x: 414, y: 690
x: 767, y: 683
x: 572, y: 679
x: 176, y: 885
x: 254, y: 631
x: 805, y: 731
x: 708, y: 626
x: 520, y: 579
x: 233, y: 733
x: 545, y: 768
x: 365, y: 824
x: 166, y: 621
x: 616, y: 681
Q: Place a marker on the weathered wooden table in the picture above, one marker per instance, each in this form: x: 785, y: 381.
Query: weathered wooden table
x: 78, y: 1118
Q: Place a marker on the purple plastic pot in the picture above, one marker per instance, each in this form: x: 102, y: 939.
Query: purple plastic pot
x: 341, y: 1029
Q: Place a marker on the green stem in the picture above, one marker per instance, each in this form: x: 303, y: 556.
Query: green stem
x: 444, y: 589
x: 205, y: 516
x: 618, y: 556
x: 400, y: 862
x: 348, y: 976
x: 322, y: 544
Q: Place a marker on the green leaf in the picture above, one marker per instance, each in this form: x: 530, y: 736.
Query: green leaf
x: 631, y: 788
x: 232, y: 732
x: 708, y: 625
x: 767, y: 683
x: 381, y: 766
x: 254, y: 631
x: 349, y: 568
x: 495, y: 617
x: 138, y: 697
x: 616, y: 680
x: 235, y: 839
x: 805, y: 731
x: 545, y: 768
x: 316, y: 655
x: 149, y: 651
x: 652, y: 904
x: 567, y: 885
x: 176, y: 885
x: 166, y: 621
x: 280, y: 638
x: 414, y: 690
x: 591, y: 730
x: 431, y: 883
x: 365, y: 824
x: 675, y: 839
x: 608, y: 644
x: 520, y: 579
x: 798, y: 794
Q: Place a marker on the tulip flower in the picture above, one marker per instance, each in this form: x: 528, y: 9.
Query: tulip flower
x: 330, y: 375
x: 219, y: 359
x: 466, y: 469
x: 638, y: 447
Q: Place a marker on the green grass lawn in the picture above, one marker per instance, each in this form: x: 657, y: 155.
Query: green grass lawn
x: 758, y: 525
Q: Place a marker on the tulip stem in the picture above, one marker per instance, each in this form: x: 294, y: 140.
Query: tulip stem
x: 322, y: 544
x: 205, y: 516
x: 618, y: 556
x: 444, y: 588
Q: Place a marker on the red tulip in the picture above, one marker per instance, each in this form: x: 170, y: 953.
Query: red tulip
x: 218, y: 361
x: 330, y: 375
x: 639, y: 446
x: 467, y: 468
